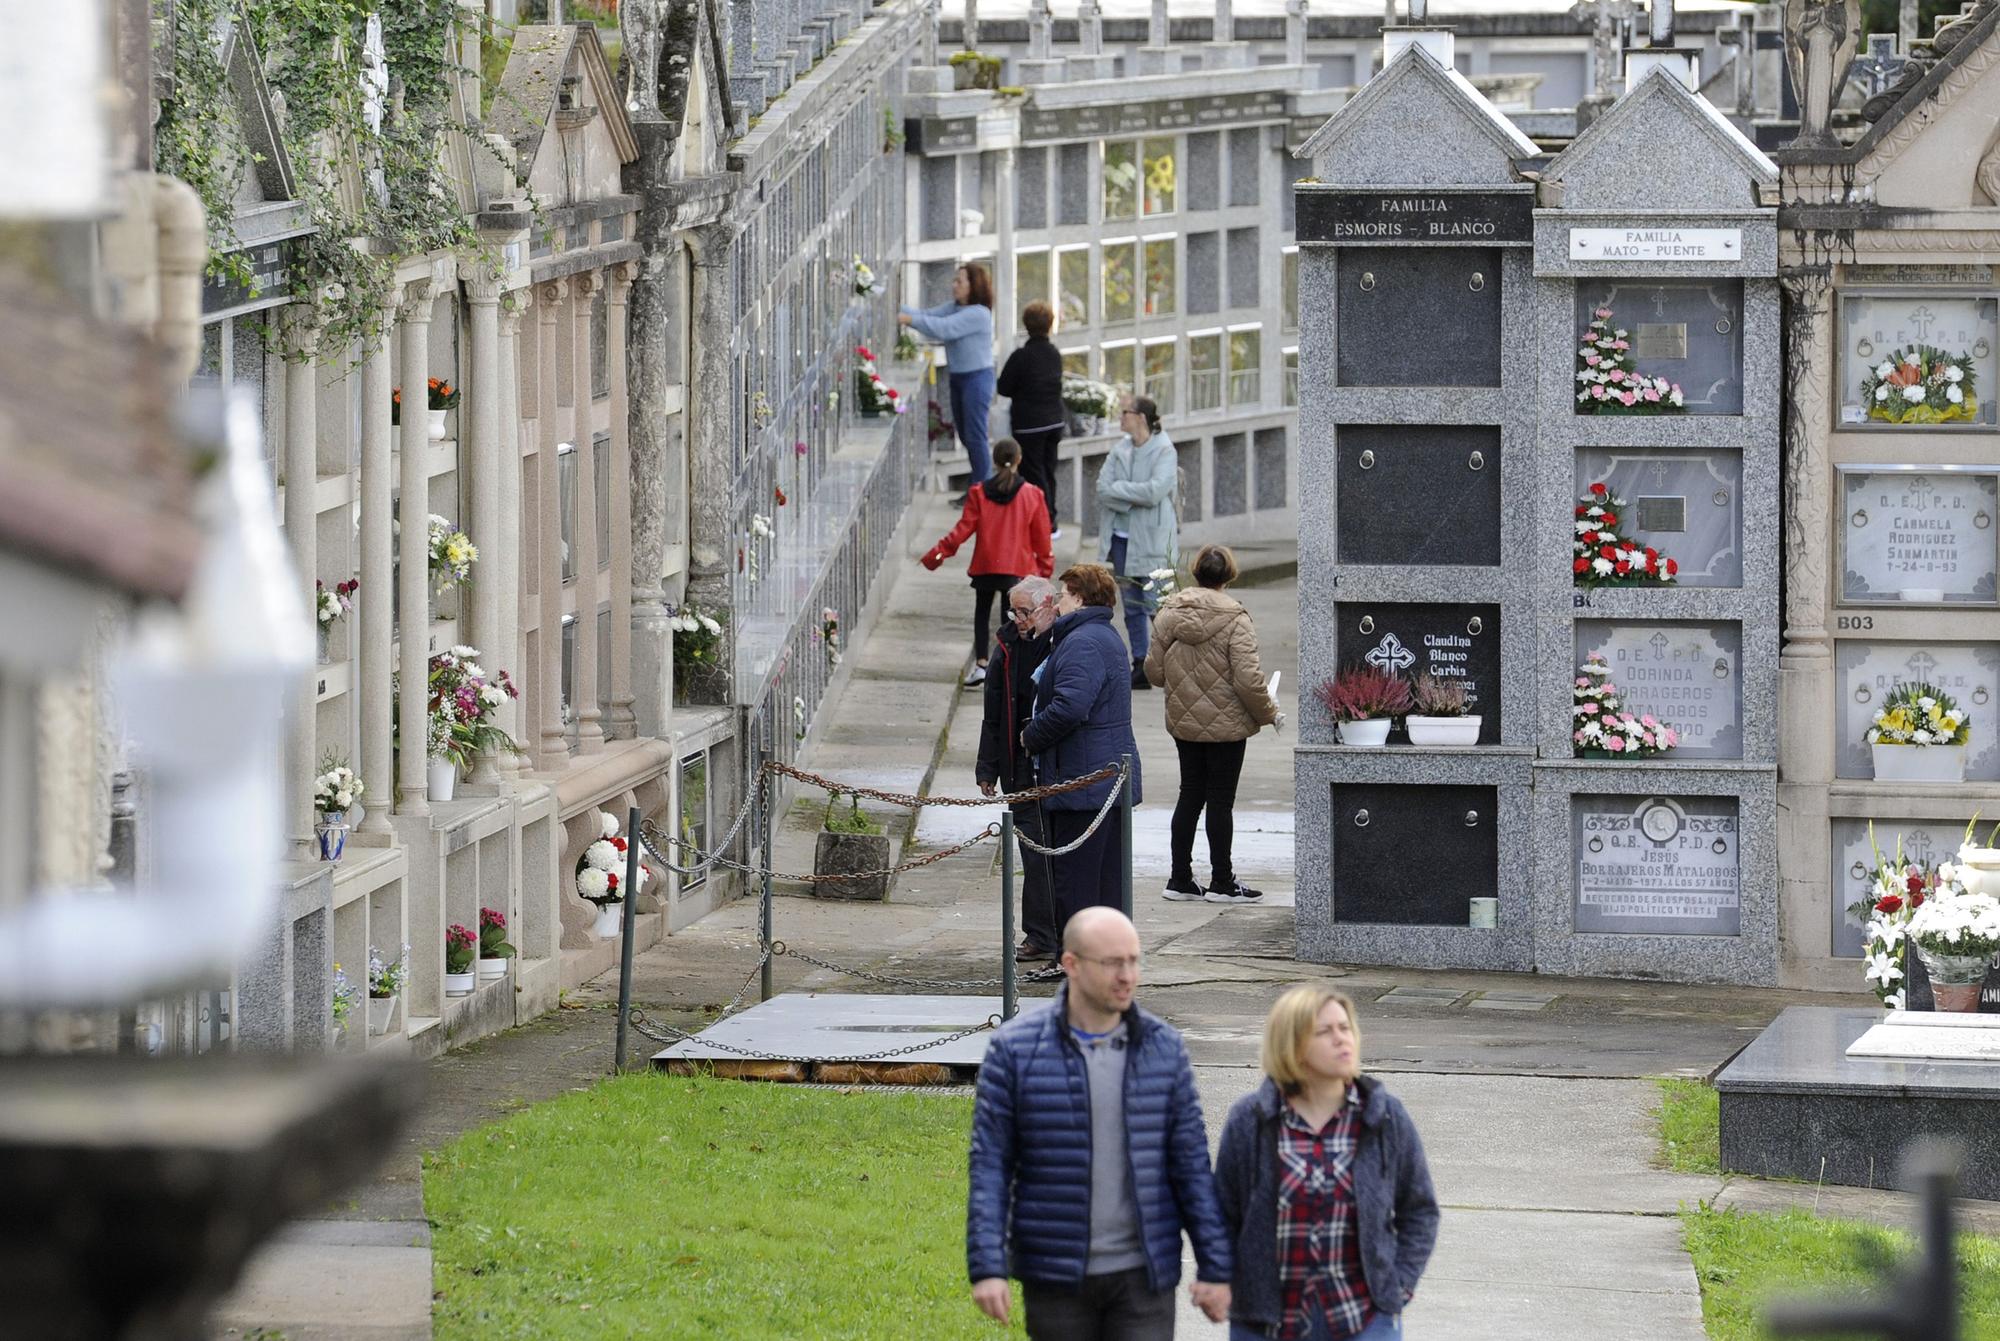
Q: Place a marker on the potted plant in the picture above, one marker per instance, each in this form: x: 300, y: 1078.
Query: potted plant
x: 600, y: 875
x: 1956, y: 935
x: 875, y: 396
x: 1365, y: 701
x: 1600, y: 557
x: 329, y: 604
x: 452, y: 554
x: 335, y: 791
x: 1440, y: 717
x: 463, y: 701
x: 1919, y: 735
x: 459, y: 947
x: 342, y: 1006
x: 494, y: 952
x: 1600, y: 726
x: 440, y: 399
x: 1088, y: 404
x: 698, y: 672
x: 1608, y: 383
x: 1895, y: 891
x: 385, y: 987
x: 1978, y: 865
x: 853, y: 850
x: 1921, y: 385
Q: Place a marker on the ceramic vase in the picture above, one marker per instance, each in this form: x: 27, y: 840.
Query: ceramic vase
x: 1372, y: 733
x: 434, y: 429
x: 1919, y: 763
x: 610, y: 920
x: 440, y: 779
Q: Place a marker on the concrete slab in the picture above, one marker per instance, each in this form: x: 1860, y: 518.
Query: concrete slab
x: 1262, y: 932
x: 816, y: 1026
x: 1442, y: 996
x: 302, y: 1287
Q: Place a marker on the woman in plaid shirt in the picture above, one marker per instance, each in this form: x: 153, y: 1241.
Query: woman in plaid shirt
x: 1323, y: 1185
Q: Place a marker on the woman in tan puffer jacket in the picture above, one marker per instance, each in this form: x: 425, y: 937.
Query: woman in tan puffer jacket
x: 1204, y: 654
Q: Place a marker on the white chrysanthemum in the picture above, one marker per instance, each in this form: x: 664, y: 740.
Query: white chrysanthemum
x: 607, y: 824
x: 1913, y: 394
x: 1954, y: 373
x: 710, y: 625
x: 592, y: 883
x: 603, y: 856
x: 1884, y: 368
x: 1954, y: 394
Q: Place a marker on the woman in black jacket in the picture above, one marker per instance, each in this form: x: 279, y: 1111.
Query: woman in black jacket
x: 1032, y: 382
x: 1324, y: 1186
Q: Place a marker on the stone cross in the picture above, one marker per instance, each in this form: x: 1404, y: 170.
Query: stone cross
x: 1295, y: 32
x: 1090, y: 28
x: 1039, y: 30
x: 1156, y: 27
x: 1607, y: 17
x: 1879, y: 68
x: 1820, y: 39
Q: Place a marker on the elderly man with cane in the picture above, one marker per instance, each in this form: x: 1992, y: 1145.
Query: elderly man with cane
x: 1005, y: 765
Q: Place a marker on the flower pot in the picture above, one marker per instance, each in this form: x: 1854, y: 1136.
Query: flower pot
x: 381, y: 1014
x: 326, y: 644
x: 1442, y: 730
x: 1919, y: 763
x: 492, y: 970
x: 460, y: 984
x: 962, y: 75
x: 440, y: 779
x: 1485, y: 913
x: 1373, y: 733
x: 331, y: 831
x: 1955, y: 979
x: 434, y: 428
x: 857, y: 859
x: 610, y: 920
x: 1979, y: 870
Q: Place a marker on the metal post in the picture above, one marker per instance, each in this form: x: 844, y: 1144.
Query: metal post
x: 764, y: 791
x: 1125, y: 836
x: 1007, y: 987
x: 631, y: 888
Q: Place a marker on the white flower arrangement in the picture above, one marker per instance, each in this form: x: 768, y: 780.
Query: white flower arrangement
x: 601, y: 869
x: 452, y: 554
x: 760, y: 526
x: 337, y: 788
x: 1921, y: 385
x: 330, y: 603
x: 1081, y: 395
x: 866, y: 285
x: 1916, y: 713
x: 1608, y: 382
x: 1895, y: 894
x: 1954, y: 922
x: 385, y: 979
x: 1602, y: 728
x: 1599, y: 556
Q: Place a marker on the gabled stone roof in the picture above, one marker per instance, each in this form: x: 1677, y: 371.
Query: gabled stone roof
x: 1631, y: 157
x: 1397, y: 130
x: 525, y: 102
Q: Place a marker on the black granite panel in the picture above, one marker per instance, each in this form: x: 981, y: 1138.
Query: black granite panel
x: 1243, y: 262
x: 1074, y: 184
x: 1270, y: 448
x: 1192, y: 494
x: 1031, y: 188
x: 1376, y: 826
x: 1204, y: 170
x: 1459, y: 642
x: 1232, y: 467
x: 1401, y: 217
x: 1917, y: 986
x: 1246, y: 163
x: 1203, y: 279
x: 1417, y: 494
x: 1418, y: 317
x: 940, y: 188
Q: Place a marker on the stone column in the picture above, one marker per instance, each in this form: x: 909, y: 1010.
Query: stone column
x: 1003, y: 267
x: 413, y: 583
x: 378, y: 657
x: 494, y: 531
x: 658, y: 329
x: 1038, y: 30
x: 622, y: 723
x: 1158, y: 30
x: 508, y: 572
x: 711, y: 538
x: 550, y: 746
x: 301, y: 344
x: 584, y: 288
x: 1090, y: 28
x: 1295, y: 32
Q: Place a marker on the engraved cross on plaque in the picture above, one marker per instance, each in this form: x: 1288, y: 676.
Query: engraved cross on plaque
x: 1390, y: 655
x: 1922, y: 666
x: 1923, y: 319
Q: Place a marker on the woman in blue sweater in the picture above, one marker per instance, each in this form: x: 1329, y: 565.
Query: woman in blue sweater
x: 965, y: 327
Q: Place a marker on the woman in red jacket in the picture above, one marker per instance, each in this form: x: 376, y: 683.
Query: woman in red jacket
x: 1008, y: 521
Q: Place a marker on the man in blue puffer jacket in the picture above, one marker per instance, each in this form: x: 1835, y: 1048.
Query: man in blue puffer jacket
x: 1089, y: 1158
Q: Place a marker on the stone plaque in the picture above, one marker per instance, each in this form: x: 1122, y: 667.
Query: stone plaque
x: 1139, y: 117
x: 1875, y: 327
x: 1452, y: 642
x: 1925, y: 841
x: 1865, y: 672
x: 1687, y: 675
x: 1663, y: 866
x: 1417, y: 495
x: 1656, y: 244
x: 1376, y: 826
x: 1708, y: 364
x: 1686, y: 504
x: 940, y: 134
x: 1417, y: 317
x: 1661, y: 340
x: 1456, y: 217
x: 1919, y: 536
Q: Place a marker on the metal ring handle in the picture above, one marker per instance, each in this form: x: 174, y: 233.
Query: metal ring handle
x: 1368, y: 623
x: 1858, y: 871
x: 1861, y: 694
x: 1477, y: 283
x: 1368, y: 281
x: 1472, y: 819
x: 1474, y: 625
x: 1367, y: 459
x: 1477, y: 461
x: 1360, y: 819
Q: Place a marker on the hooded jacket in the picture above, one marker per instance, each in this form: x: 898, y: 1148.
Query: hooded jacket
x: 1083, y: 709
x: 1204, y: 654
x: 1009, y: 528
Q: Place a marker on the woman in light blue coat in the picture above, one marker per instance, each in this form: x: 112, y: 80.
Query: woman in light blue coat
x: 965, y: 327
x: 1137, y: 527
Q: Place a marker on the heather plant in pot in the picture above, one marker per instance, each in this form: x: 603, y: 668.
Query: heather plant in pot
x: 460, y: 946
x: 1440, y: 716
x: 1364, y: 701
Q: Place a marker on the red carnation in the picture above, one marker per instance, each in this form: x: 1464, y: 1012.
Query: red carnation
x: 1580, y: 565
x: 1609, y: 519
x: 610, y: 882
x: 1598, y: 489
x: 1917, y: 900
x: 1651, y: 553
x: 1607, y: 552
x: 1589, y: 537
x: 1580, y: 510
x: 618, y: 843
x: 1888, y: 903
x: 1672, y: 568
x: 1623, y: 568
x: 862, y: 350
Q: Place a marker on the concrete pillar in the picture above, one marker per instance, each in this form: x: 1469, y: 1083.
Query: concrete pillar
x: 507, y: 568
x: 550, y: 747
x: 1003, y: 267
x: 1295, y: 32
x: 1158, y: 31
x: 493, y: 531
x: 378, y: 657
x: 622, y: 723
x: 1090, y: 28
x: 654, y: 362
x: 584, y: 288
x: 301, y: 456
x: 413, y: 584
x: 711, y: 538
x: 1038, y: 30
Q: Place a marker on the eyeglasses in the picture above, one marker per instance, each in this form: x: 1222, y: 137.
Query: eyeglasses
x: 1016, y: 612
x: 1131, y: 962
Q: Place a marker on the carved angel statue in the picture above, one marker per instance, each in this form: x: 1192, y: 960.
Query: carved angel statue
x: 1820, y: 40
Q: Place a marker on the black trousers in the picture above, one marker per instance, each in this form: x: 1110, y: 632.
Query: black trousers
x: 1117, y: 1306
x: 1210, y: 770
x: 1089, y: 876
x: 985, y: 586
x: 1039, y: 464
x: 1038, y: 895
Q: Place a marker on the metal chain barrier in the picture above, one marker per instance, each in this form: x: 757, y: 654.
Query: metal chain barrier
x: 890, y: 980
x: 910, y: 801
x: 667, y: 1034
x: 1103, y: 813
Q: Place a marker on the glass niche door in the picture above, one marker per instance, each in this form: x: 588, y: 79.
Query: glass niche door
x: 1918, y: 359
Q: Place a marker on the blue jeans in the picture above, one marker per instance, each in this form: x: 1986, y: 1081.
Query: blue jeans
x: 1381, y: 1327
x: 1140, y: 603
x: 971, y: 402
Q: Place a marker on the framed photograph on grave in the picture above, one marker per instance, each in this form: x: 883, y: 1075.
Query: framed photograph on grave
x: 1926, y: 842
x: 1919, y: 535
x: 1656, y: 865
x: 1924, y: 359
x: 1689, y: 676
x: 1865, y: 672
x: 1688, y: 331
x: 1686, y: 504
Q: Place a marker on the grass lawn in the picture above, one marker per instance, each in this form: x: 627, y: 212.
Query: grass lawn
x: 668, y: 1207
x: 1690, y: 1126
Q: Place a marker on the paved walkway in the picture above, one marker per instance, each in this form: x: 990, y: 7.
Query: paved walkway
x: 1533, y: 1094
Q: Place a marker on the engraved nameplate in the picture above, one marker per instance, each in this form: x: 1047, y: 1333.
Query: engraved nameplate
x: 1662, y: 513
x: 1920, y: 537
x: 1667, y: 865
x: 1663, y: 340
x: 1686, y: 675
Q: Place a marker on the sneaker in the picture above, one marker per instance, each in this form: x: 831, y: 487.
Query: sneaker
x: 1182, y: 891
x: 1029, y: 953
x: 1139, y: 680
x: 977, y: 677
x: 1238, y: 892
x: 1055, y: 534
